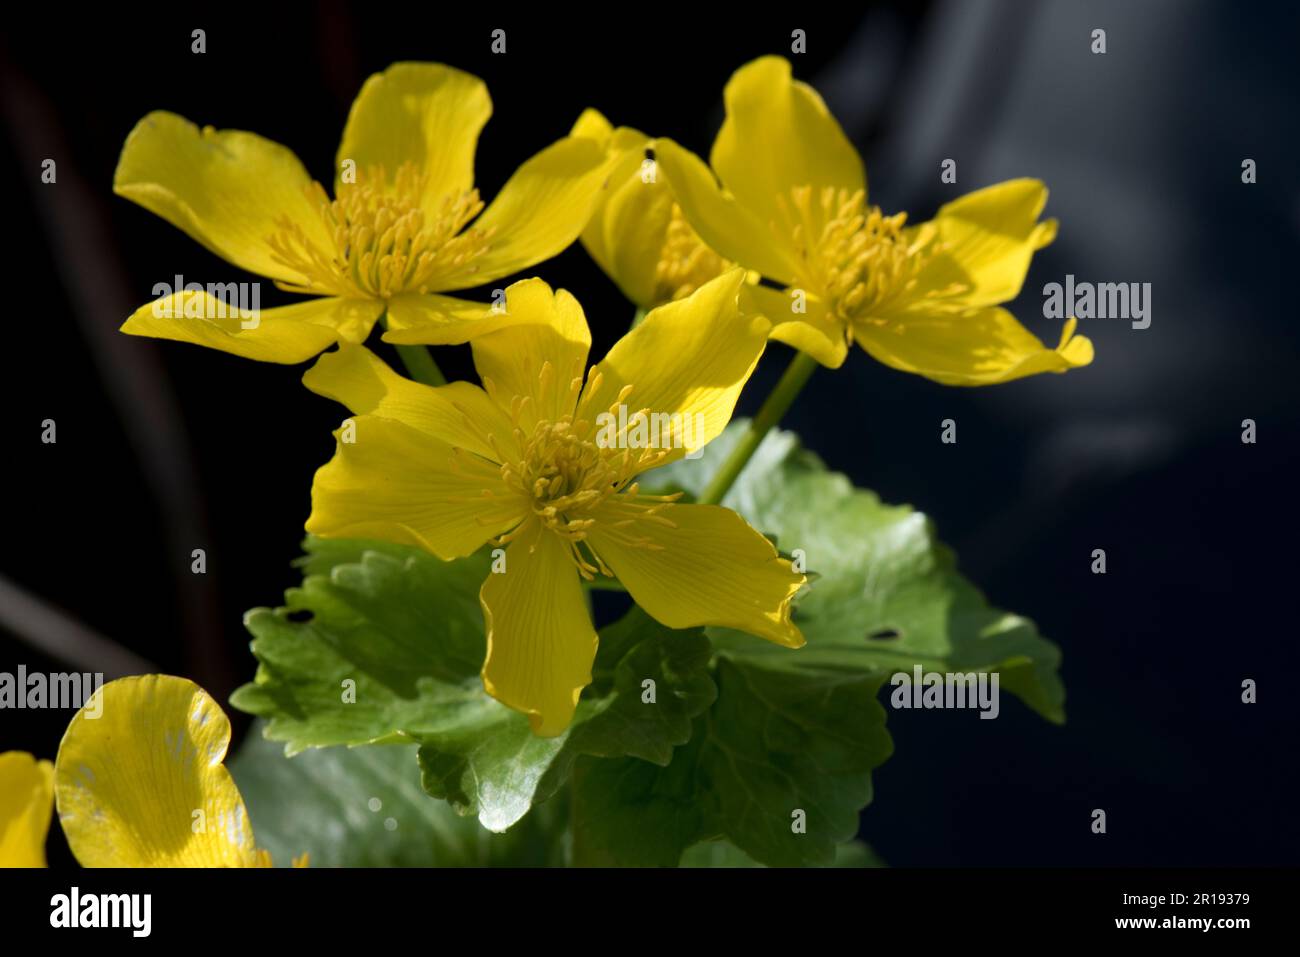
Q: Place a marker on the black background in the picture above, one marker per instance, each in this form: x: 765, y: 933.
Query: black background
x: 164, y: 447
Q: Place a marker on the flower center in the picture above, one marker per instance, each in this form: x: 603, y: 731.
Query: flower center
x: 685, y: 262
x: 856, y: 257
x: 383, y: 241
x: 565, y: 474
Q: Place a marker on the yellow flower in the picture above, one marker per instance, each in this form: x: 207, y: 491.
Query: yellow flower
x: 404, y: 223
x: 789, y: 200
x: 540, y: 463
x: 26, y: 797
x: 638, y: 234
x: 142, y: 784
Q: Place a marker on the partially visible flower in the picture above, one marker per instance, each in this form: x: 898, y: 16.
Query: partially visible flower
x: 26, y: 797
x: 638, y: 234
x: 789, y: 200
x: 405, y: 222
x: 143, y: 784
x: 546, y: 466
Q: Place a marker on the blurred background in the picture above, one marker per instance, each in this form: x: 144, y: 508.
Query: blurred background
x: 164, y: 447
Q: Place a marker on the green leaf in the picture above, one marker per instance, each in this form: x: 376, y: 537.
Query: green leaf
x: 366, y: 649
x: 780, y: 766
x: 648, y: 682
x: 781, y: 763
x: 625, y: 812
x: 384, y: 643
x: 363, y: 807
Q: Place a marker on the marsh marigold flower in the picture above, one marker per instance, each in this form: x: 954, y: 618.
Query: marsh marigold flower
x: 141, y: 785
x: 405, y: 222
x: 787, y: 196
x: 530, y: 462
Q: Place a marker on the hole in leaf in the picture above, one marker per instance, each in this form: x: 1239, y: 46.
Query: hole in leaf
x: 883, y: 634
x: 301, y: 615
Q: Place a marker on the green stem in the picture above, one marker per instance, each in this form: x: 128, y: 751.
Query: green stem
x: 774, y: 406
x: 418, y: 361
x: 420, y: 364
x: 639, y: 316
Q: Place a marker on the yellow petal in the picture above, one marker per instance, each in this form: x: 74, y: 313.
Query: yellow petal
x: 624, y: 146
x: 427, y: 114
x: 737, y: 232
x: 533, y: 348
x: 226, y: 188
x: 459, y: 413
x: 541, y: 642
x: 541, y: 210
x: 703, y: 566
x: 26, y: 800
x: 634, y: 225
x: 778, y: 135
x: 630, y: 223
x: 979, y: 348
x: 616, y: 141
x: 991, y: 235
x: 434, y: 320
x: 139, y: 780
x: 392, y: 482
x: 691, y: 357
x: 815, y: 331
x: 592, y: 125
x: 286, y: 334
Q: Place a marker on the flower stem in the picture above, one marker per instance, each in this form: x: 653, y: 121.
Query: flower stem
x: 774, y: 406
x: 418, y: 360
x: 420, y: 364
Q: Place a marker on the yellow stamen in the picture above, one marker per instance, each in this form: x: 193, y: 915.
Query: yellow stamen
x: 568, y: 478
x: 685, y: 263
x: 383, y: 242
x: 853, y: 255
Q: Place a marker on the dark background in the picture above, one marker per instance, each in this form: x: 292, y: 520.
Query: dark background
x: 164, y: 447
